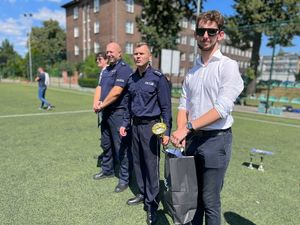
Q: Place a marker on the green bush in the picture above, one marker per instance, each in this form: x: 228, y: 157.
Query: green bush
x: 88, y: 82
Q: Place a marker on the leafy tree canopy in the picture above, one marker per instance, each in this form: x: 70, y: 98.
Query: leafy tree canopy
x: 48, y: 43
x: 159, y: 22
x: 277, y: 19
x: 11, y: 63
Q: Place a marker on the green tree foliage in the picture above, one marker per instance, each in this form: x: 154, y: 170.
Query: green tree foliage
x: 89, y: 67
x: 277, y: 19
x: 48, y: 44
x: 11, y: 63
x: 129, y: 60
x: 159, y: 22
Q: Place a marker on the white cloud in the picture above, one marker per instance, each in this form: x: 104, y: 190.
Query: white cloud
x: 11, y: 27
x: 46, y: 14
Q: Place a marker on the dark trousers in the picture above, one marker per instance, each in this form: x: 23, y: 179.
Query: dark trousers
x: 212, y: 155
x: 146, y: 156
x: 115, y: 148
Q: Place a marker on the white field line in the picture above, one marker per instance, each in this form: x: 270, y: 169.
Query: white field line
x: 45, y: 114
x: 85, y: 111
x: 269, y: 122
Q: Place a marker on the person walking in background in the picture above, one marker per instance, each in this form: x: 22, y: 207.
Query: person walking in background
x: 112, y: 104
x: 204, y: 118
x: 41, y: 79
x: 101, y: 60
x: 149, y: 100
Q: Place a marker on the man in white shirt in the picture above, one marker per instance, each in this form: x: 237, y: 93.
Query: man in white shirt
x: 204, y: 118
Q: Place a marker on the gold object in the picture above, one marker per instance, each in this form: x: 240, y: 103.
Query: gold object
x: 159, y: 129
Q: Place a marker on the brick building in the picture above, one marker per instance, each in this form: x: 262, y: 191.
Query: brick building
x: 91, y: 24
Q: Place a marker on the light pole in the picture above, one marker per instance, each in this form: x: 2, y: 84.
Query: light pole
x: 28, y: 16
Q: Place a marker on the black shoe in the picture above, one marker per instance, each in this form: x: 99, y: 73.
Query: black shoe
x: 102, y: 175
x: 121, y: 187
x: 151, y: 217
x: 138, y: 199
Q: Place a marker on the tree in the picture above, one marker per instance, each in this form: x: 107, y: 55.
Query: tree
x: 11, y: 63
x: 89, y: 67
x: 159, y: 22
x: 277, y: 19
x: 48, y: 44
x: 297, y: 76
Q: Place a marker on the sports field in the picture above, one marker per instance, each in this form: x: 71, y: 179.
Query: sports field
x: 47, y: 162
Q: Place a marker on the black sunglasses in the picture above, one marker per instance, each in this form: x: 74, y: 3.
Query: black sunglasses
x: 210, y: 31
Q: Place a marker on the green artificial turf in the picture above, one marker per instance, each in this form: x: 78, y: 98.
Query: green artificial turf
x: 47, y: 162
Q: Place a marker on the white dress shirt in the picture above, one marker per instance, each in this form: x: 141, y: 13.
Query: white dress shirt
x: 215, y: 85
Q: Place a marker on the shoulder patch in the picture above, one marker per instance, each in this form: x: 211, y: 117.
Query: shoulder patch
x: 156, y: 72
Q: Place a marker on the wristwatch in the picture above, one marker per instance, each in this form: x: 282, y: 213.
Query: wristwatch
x: 189, y: 126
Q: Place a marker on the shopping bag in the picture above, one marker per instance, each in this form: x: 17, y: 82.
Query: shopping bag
x: 181, y: 189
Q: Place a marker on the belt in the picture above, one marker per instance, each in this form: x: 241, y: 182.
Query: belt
x: 144, y: 120
x: 211, y: 133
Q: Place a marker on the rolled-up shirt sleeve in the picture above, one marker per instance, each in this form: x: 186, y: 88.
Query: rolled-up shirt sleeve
x: 232, y: 86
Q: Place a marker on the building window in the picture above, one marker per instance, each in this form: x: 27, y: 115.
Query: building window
x: 76, y: 50
x: 182, y: 71
x: 129, y: 48
x: 178, y: 39
x: 183, y: 40
x: 129, y: 27
x: 75, y: 12
x: 96, y: 47
x: 96, y: 27
x: 76, y: 32
x: 183, y: 57
x: 184, y: 23
x: 193, y: 25
x: 96, y: 6
x: 130, y: 6
x: 191, y: 57
x: 192, y: 41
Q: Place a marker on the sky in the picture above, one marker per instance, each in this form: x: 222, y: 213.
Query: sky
x: 14, y: 26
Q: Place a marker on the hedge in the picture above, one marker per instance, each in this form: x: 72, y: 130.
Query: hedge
x: 88, y: 82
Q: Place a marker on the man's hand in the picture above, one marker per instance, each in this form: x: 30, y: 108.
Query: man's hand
x: 123, y: 131
x: 178, y: 137
x: 97, y: 106
x: 165, y: 140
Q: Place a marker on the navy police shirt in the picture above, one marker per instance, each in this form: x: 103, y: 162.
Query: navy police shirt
x: 149, y: 96
x: 115, y: 75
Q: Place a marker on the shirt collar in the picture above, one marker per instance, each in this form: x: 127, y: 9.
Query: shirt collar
x: 143, y: 74
x: 215, y: 57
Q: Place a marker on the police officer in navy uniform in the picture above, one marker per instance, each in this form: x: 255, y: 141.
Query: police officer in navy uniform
x: 112, y: 104
x: 149, y: 101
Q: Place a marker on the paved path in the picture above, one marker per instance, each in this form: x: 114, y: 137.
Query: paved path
x: 250, y: 109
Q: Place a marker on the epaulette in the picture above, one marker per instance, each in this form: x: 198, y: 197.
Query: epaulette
x: 156, y: 72
x: 123, y: 63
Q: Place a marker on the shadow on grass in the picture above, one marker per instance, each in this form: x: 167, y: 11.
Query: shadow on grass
x: 235, y: 219
x: 246, y: 164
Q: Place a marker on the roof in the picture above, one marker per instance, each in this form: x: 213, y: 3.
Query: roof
x: 70, y: 3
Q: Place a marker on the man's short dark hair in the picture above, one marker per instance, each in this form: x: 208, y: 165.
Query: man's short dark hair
x: 213, y: 16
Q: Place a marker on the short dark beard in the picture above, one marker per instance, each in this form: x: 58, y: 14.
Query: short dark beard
x: 207, y: 49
